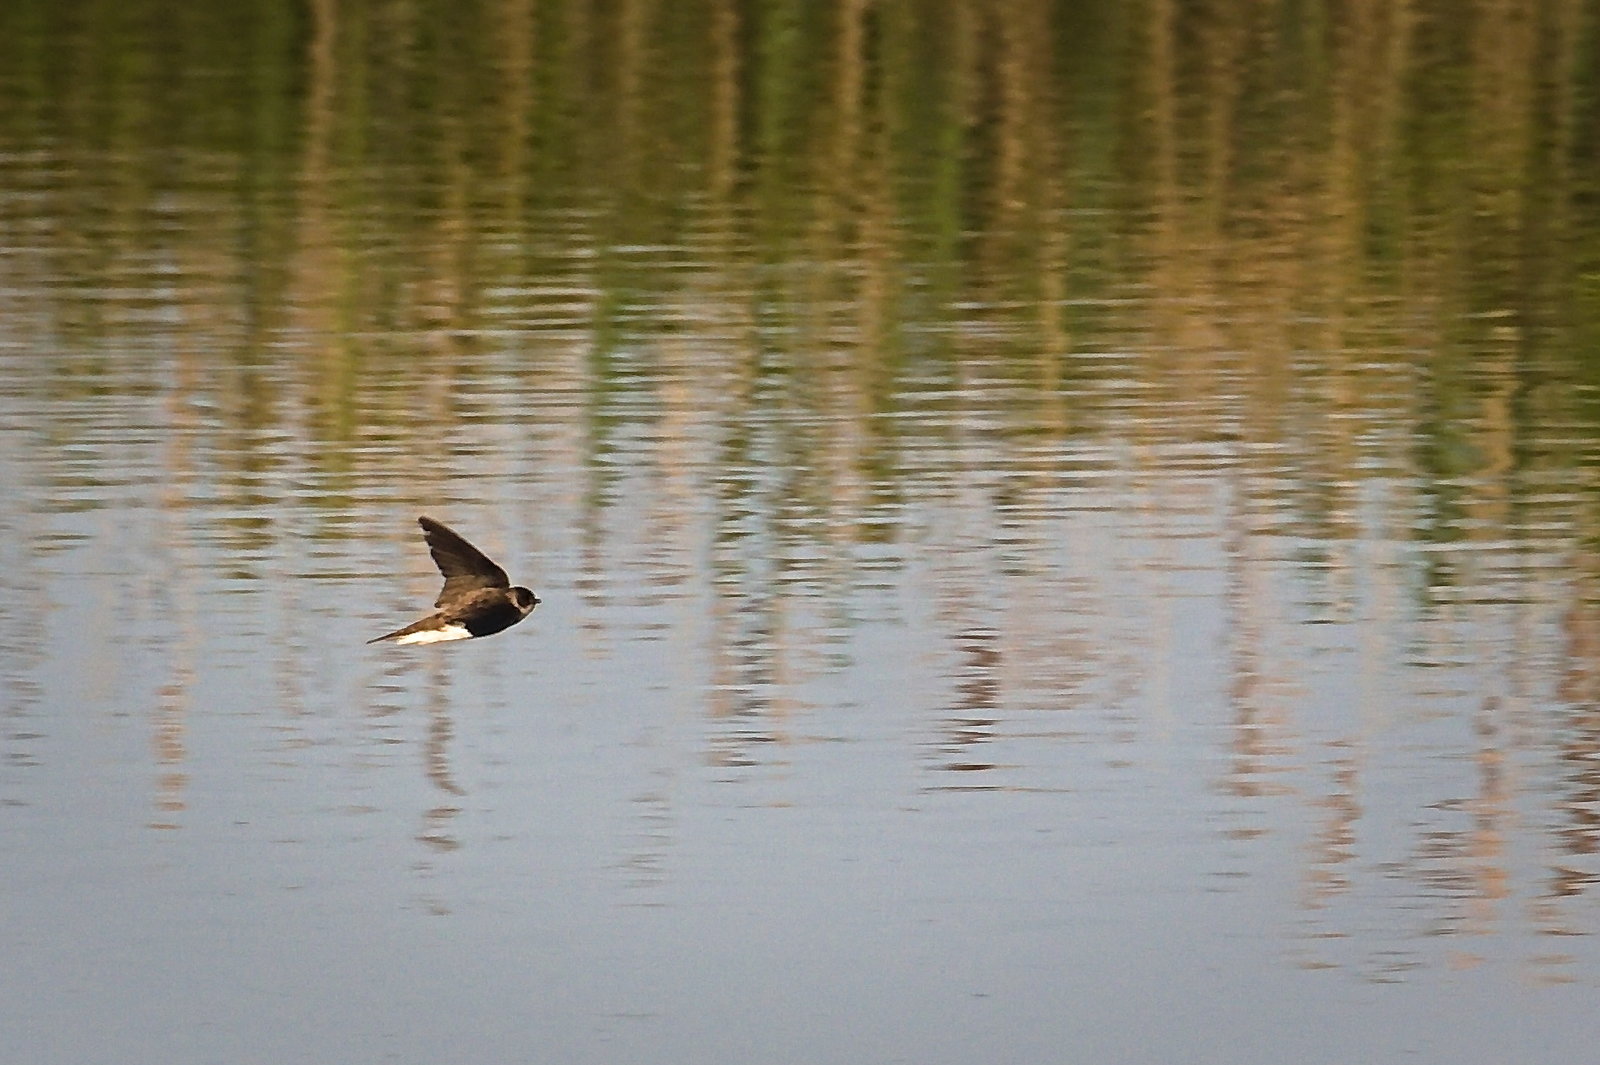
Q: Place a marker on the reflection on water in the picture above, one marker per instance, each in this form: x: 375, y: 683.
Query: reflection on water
x: 1147, y: 452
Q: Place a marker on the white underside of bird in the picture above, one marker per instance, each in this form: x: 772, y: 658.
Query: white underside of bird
x: 439, y: 635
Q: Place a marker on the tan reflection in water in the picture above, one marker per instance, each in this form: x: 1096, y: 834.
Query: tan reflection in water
x: 1573, y: 868
x: 1333, y: 845
x: 315, y: 261
x: 171, y: 728
x: 176, y: 570
x: 971, y: 721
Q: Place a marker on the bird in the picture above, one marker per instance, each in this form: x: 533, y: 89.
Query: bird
x: 477, y: 599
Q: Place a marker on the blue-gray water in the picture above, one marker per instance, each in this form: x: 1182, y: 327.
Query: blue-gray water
x: 1041, y: 563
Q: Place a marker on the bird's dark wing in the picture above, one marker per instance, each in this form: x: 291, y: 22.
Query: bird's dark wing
x: 465, y: 568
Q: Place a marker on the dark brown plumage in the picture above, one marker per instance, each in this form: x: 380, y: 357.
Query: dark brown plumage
x: 477, y: 598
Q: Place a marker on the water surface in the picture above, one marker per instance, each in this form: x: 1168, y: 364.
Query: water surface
x: 1064, y: 535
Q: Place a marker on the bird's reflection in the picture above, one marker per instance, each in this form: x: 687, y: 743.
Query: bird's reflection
x: 438, y: 821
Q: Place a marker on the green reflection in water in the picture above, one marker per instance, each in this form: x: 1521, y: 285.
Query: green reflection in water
x: 852, y: 224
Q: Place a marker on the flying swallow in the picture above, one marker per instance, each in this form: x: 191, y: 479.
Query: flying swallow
x: 477, y: 599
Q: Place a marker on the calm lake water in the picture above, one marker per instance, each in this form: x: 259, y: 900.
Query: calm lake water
x: 1068, y: 533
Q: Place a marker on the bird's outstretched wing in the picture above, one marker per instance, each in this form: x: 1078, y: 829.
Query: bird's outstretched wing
x: 465, y: 568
